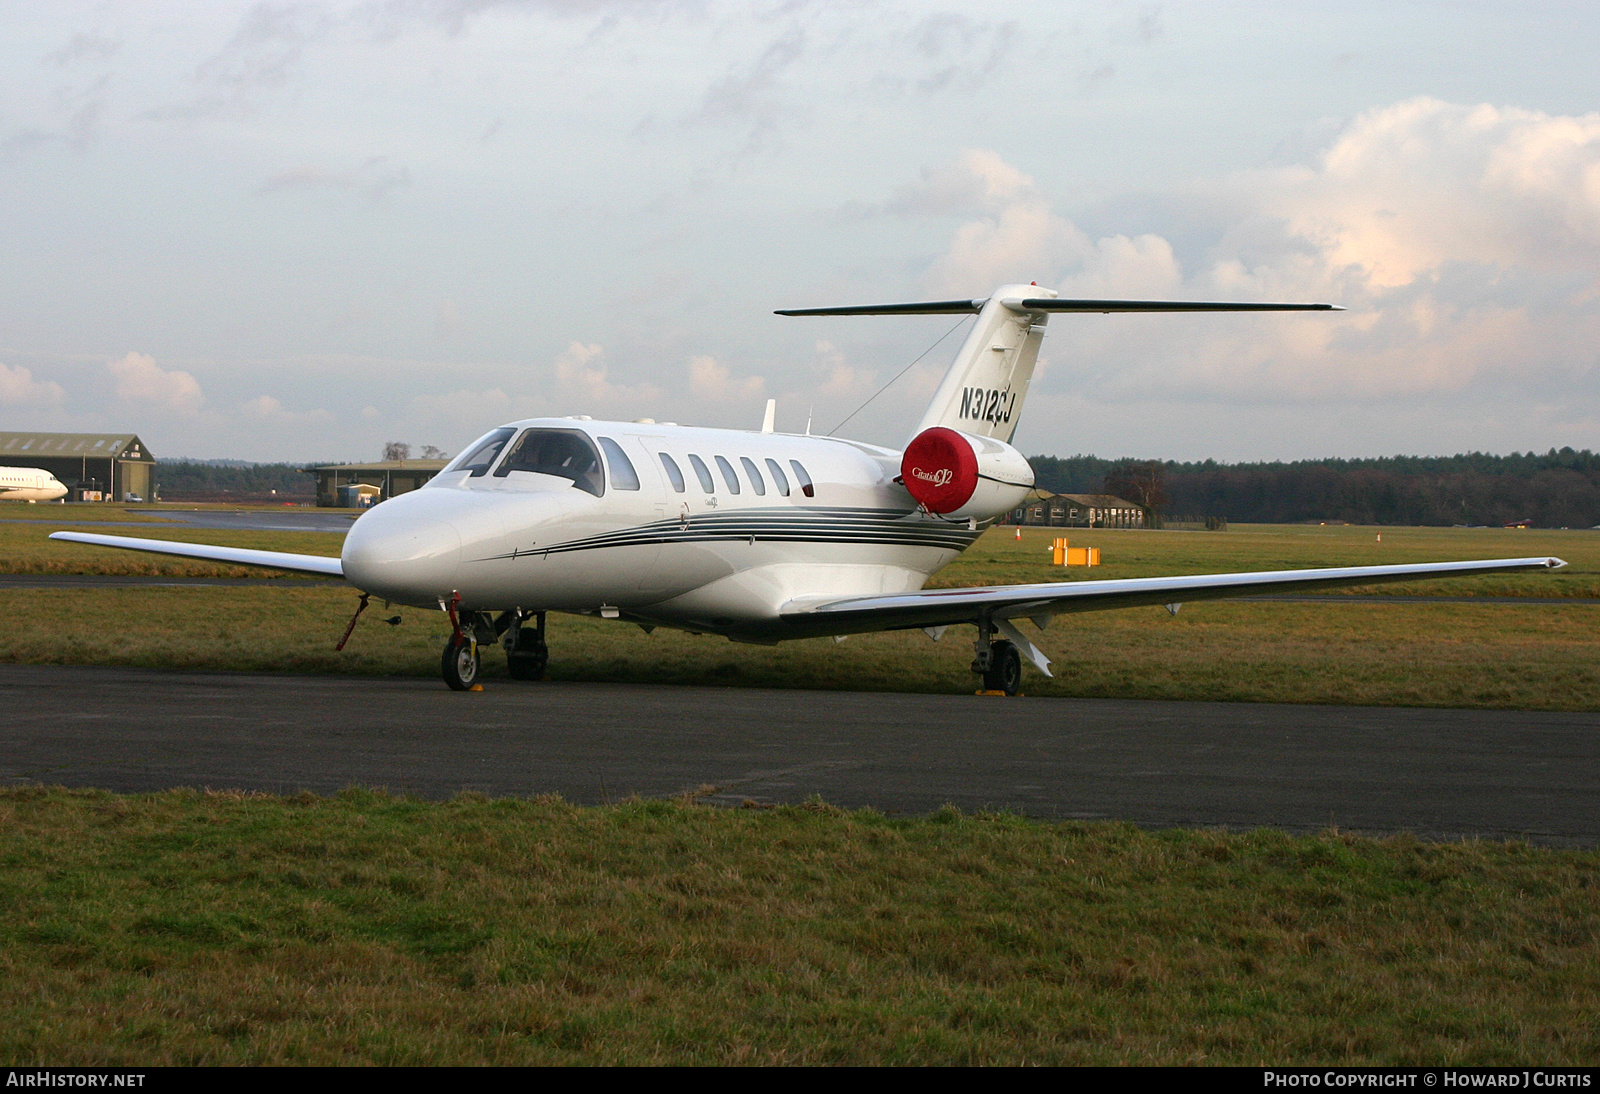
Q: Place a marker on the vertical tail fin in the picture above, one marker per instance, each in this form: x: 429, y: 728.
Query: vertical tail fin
x: 984, y: 390
x: 987, y: 384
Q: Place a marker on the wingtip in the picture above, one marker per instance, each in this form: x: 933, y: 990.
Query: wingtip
x: 1555, y: 563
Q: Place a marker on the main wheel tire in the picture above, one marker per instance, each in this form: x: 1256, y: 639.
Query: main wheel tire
x: 1005, y: 669
x: 460, y: 662
x: 528, y: 664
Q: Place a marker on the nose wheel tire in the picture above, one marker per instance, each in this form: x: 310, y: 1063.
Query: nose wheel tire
x: 460, y: 662
x: 1005, y: 669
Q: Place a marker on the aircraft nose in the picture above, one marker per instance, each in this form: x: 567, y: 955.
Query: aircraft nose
x: 407, y: 557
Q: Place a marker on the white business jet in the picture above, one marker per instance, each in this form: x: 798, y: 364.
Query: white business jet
x: 758, y: 536
x: 29, y: 484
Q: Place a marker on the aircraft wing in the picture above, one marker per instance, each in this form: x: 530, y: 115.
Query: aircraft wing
x: 239, y: 556
x: 1001, y: 603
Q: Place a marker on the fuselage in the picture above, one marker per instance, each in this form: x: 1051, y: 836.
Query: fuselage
x: 704, y: 529
x: 29, y: 484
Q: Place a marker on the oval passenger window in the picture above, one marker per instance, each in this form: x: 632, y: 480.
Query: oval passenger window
x: 757, y: 483
x: 727, y: 474
x: 703, y: 473
x: 779, y: 479
x: 673, y: 472
x: 803, y: 479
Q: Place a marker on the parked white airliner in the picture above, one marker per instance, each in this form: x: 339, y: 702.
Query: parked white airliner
x: 758, y: 536
x: 29, y: 484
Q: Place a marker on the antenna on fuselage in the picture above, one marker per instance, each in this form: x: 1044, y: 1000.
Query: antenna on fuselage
x: 770, y: 418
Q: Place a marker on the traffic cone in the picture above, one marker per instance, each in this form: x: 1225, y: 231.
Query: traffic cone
x: 1019, y: 531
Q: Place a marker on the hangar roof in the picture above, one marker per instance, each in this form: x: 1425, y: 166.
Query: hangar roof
x: 381, y: 465
x: 1096, y: 501
x: 100, y: 446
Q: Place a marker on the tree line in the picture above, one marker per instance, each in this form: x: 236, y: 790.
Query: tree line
x: 1556, y: 489
x: 195, y: 480
x: 241, y: 480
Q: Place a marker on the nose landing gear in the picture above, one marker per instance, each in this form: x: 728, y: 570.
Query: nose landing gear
x: 460, y: 662
x: 520, y: 633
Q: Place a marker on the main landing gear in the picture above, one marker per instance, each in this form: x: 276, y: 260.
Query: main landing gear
x: 523, y: 639
x: 520, y: 633
x: 998, y: 662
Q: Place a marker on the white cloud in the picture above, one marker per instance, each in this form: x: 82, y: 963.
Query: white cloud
x: 838, y: 379
x: 140, y: 380
x: 19, y: 388
x: 1412, y: 186
x: 581, y: 373
x: 714, y: 382
x: 977, y: 181
x: 1017, y: 237
x: 1465, y: 240
x: 268, y: 409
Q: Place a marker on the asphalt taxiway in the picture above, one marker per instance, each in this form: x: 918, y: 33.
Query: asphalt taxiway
x: 1436, y: 773
x: 289, y: 519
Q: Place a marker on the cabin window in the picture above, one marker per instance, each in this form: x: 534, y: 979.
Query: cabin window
x: 623, y: 476
x: 779, y: 479
x: 803, y: 479
x: 703, y: 473
x: 481, y: 455
x: 673, y: 472
x: 561, y: 453
x: 757, y: 483
x: 727, y: 474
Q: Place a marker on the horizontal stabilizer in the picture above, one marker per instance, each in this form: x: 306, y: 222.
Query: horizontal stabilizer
x: 1109, y: 306
x: 943, y: 607
x: 239, y: 556
x: 932, y: 307
x: 1041, y: 303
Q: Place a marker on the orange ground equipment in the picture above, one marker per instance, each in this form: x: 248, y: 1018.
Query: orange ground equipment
x: 1063, y: 555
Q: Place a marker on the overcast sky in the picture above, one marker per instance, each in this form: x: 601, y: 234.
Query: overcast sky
x: 299, y: 230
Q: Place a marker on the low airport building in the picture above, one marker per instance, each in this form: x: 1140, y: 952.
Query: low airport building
x: 1078, y: 511
x: 360, y: 485
x: 93, y: 466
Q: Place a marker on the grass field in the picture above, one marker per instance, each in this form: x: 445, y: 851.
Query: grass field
x: 186, y: 928
x: 1532, y: 656
x: 198, y: 927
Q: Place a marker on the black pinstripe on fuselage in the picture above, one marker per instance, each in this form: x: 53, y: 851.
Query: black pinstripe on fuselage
x: 891, y: 527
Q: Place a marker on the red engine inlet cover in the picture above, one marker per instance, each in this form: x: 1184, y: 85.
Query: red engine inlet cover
x: 940, y: 469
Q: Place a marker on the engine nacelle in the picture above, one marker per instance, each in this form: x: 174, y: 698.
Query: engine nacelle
x: 959, y: 475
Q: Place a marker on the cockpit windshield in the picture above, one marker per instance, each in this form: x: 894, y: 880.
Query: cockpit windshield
x: 564, y: 453
x: 480, y: 457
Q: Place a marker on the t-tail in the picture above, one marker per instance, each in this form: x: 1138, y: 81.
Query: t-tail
x: 983, y: 392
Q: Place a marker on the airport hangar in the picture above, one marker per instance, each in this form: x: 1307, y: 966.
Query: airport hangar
x: 93, y: 466
x: 1077, y: 511
x: 360, y: 485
